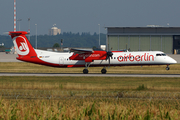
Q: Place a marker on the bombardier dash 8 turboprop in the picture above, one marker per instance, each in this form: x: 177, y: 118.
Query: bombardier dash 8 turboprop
x: 86, y: 58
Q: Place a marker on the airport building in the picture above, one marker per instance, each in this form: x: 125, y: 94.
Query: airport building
x: 166, y: 39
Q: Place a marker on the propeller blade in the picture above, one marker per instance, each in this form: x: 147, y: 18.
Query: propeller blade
x: 109, y: 61
x: 109, y: 54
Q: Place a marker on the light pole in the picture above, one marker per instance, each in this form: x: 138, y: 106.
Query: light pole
x: 61, y: 44
x: 99, y: 35
x: 19, y: 20
x: 29, y: 27
x: 36, y: 36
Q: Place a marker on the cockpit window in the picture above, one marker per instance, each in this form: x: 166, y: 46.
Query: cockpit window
x: 160, y: 54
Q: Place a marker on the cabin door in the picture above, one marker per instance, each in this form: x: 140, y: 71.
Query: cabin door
x: 61, y: 61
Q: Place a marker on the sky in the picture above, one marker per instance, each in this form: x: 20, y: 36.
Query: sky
x: 85, y: 15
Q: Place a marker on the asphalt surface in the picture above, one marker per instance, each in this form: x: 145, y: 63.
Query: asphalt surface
x: 89, y: 75
x: 8, y: 57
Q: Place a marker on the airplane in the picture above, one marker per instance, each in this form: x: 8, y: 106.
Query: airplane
x: 86, y: 58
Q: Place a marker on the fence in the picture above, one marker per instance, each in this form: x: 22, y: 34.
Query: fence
x: 61, y: 94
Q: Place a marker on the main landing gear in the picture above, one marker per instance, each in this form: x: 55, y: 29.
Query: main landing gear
x: 103, y: 71
x: 85, y: 71
x: 167, y: 68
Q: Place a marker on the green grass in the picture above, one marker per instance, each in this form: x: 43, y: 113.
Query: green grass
x: 83, y: 109
x: 89, y: 83
x: 90, y: 108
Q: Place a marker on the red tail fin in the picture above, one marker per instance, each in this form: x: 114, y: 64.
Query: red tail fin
x: 22, y: 45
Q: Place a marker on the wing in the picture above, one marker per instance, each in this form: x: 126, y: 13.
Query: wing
x: 81, y: 51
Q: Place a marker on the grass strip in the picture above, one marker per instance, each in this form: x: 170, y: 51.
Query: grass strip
x: 90, y: 83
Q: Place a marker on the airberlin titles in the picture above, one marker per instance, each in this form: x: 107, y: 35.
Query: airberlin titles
x: 130, y: 57
x: 122, y: 58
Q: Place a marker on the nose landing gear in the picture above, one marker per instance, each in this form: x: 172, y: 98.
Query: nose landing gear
x: 167, y: 68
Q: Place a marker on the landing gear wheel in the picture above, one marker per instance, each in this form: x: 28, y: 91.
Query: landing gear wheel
x: 167, y: 68
x: 103, y: 71
x: 85, y: 71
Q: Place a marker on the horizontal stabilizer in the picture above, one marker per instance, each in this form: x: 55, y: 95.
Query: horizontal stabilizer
x: 17, y: 33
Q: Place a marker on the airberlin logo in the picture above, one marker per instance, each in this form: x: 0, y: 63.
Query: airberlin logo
x: 145, y: 57
x: 21, y: 45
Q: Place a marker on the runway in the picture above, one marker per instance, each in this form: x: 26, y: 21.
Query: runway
x: 12, y: 58
x: 89, y: 75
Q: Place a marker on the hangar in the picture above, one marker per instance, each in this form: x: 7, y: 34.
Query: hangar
x: 166, y: 39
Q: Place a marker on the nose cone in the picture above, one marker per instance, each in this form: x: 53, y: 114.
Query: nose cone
x: 172, y: 61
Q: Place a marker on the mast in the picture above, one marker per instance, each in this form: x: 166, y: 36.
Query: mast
x: 14, y: 15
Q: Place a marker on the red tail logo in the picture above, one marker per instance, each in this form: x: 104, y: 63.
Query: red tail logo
x: 21, y: 45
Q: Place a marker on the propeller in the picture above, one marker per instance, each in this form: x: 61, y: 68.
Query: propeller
x: 109, y: 54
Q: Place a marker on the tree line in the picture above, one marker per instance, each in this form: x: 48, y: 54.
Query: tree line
x: 69, y: 39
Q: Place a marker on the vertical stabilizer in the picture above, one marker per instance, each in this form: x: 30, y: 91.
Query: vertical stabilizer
x: 22, y: 45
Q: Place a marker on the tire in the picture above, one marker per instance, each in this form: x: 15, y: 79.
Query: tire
x: 85, y: 71
x: 103, y: 71
x: 167, y: 68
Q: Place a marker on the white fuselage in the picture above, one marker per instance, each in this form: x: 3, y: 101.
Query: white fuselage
x: 118, y: 59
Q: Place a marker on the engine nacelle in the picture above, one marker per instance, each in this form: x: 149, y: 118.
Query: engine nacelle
x: 90, y: 57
